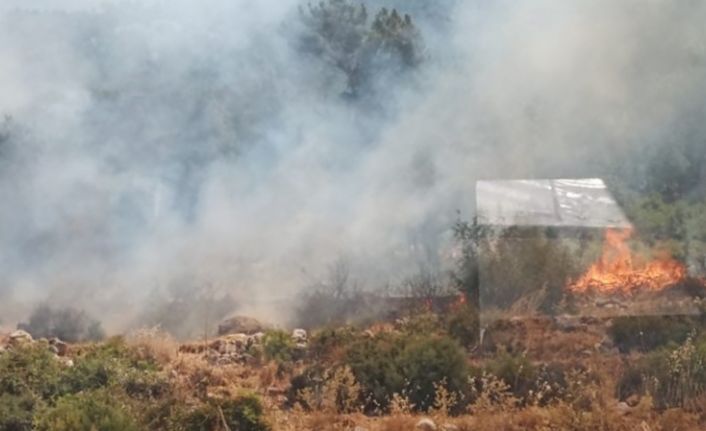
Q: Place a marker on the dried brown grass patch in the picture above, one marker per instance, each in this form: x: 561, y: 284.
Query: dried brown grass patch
x: 398, y: 423
x: 153, y: 343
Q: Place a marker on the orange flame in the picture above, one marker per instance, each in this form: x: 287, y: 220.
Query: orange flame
x: 618, y: 271
x: 459, y: 302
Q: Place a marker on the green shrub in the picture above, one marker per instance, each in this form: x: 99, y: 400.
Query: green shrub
x: 527, y: 382
x: 113, y: 363
x: 631, y: 382
x: 463, y: 325
x: 645, y: 333
x: 425, y: 361
x: 312, y: 378
x: 243, y: 413
x: 145, y: 385
x: 115, y: 351
x: 17, y: 411
x: 325, y: 342
x: 87, y: 411
x: 396, y: 364
x: 674, y: 377
x: 423, y: 323
x: 516, y: 371
x: 32, y: 380
x: 374, y: 362
x: 30, y: 369
x: 278, y: 346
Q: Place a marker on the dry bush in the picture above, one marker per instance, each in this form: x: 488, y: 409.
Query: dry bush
x: 444, y: 400
x: 339, y: 392
x: 153, y: 344
x: 400, y: 404
x: 343, y: 390
x: 492, y: 395
x: 267, y: 374
x: 195, y: 377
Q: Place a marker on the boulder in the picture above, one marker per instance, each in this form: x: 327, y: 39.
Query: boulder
x: 20, y: 337
x: 241, y: 325
x: 58, y: 346
x: 299, y: 335
x: 426, y: 424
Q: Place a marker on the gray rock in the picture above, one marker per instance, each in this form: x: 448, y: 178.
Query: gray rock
x: 20, y: 337
x: 299, y: 335
x: 426, y: 424
x: 59, y: 346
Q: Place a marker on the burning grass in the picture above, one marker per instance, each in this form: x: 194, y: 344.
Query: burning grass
x: 620, y: 271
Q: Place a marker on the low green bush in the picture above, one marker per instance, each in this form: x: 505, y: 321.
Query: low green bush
x: 30, y: 369
x: 87, y: 411
x: 673, y: 377
x: 311, y: 378
x: 325, y: 342
x: 423, y: 322
x: 462, y: 323
x: 278, y: 346
x: 539, y: 383
x: 516, y: 371
x: 374, y: 362
x: 243, y: 413
x: 113, y: 363
x: 34, y: 382
x: 646, y: 333
x: 428, y: 361
x: 17, y: 411
x: 406, y: 364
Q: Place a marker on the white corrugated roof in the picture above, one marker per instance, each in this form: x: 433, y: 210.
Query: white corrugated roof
x: 583, y: 202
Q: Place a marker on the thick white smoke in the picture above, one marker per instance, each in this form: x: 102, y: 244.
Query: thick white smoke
x: 155, y: 141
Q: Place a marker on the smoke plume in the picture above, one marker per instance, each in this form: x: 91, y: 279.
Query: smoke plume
x: 148, y: 143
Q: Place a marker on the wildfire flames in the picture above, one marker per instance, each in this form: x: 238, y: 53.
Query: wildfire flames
x: 618, y: 271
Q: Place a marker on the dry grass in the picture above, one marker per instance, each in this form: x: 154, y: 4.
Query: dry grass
x: 587, y: 403
x: 154, y: 344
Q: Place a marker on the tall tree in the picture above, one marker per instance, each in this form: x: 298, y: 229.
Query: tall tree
x: 340, y: 33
